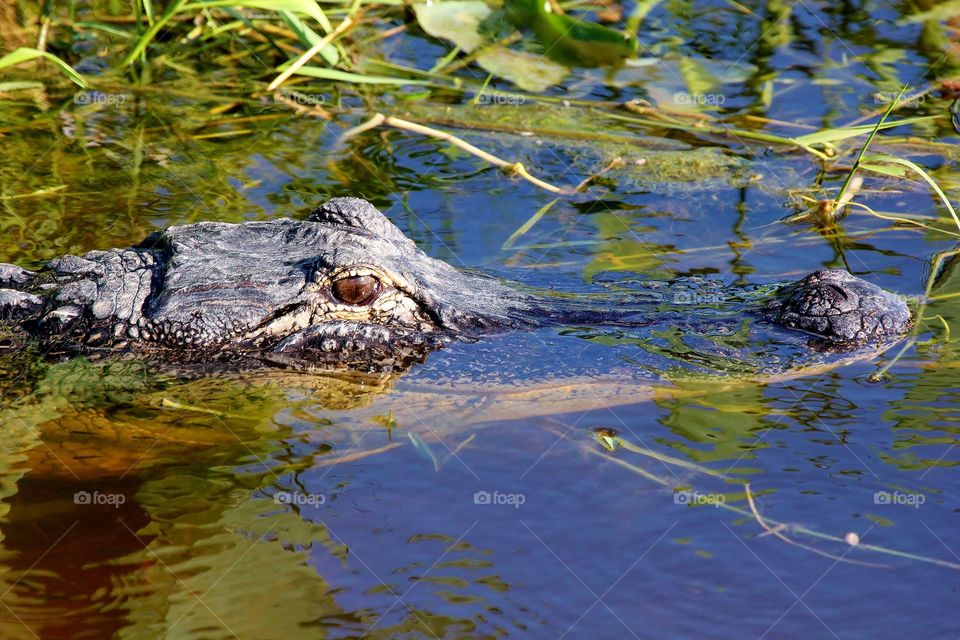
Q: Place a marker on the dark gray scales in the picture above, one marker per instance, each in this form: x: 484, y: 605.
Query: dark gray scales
x: 343, y: 287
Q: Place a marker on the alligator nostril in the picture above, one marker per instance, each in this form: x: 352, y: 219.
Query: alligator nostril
x: 839, y: 290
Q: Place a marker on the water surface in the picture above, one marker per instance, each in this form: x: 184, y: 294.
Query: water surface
x: 472, y: 497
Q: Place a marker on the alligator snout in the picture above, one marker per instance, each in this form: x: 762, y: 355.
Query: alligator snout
x: 840, y: 309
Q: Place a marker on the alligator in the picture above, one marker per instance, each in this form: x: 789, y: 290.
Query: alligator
x: 344, y: 287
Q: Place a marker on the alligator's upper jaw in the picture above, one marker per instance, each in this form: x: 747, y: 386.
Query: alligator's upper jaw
x: 841, y: 310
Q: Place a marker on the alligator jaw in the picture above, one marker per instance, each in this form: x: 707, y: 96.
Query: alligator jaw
x: 357, y: 345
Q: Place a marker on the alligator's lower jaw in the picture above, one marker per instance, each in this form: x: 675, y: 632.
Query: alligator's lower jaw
x: 354, y: 345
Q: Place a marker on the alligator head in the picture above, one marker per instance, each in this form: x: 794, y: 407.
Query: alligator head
x: 344, y: 287
x: 839, y: 309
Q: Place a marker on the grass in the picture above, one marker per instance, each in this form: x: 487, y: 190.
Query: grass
x: 286, y: 47
x: 290, y: 39
x: 26, y: 54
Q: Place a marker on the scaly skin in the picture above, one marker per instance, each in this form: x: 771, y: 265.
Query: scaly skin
x: 840, y: 308
x: 343, y: 287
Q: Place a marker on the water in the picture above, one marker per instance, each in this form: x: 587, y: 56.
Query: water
x: 473, y: 496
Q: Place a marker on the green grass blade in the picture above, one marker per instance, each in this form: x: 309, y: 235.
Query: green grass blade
x: 841, y: 198
x: 903, y: 162
x: 152, y: 32
x: 24, y: 54
x: 148, y: 11
x: 346, y: 76
x: 307, y: 36
x: 20, y: 85
x: 310, y: 38
x: 844, y: 133
x: 884, y: 170
x: 526, y: 226
x: 106, y: 28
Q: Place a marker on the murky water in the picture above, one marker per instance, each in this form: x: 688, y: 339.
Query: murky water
x: 476, y: 495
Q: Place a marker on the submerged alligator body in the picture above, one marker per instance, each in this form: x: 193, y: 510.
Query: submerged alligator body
x: 343, y: 287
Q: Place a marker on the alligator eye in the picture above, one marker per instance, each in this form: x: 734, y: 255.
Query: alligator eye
x: 356, y: 290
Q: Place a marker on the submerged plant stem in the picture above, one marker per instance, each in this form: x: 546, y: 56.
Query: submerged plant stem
x: 513, y: 168
x: 356, y: 455
x: 779, y: 529
x: 776, y: 527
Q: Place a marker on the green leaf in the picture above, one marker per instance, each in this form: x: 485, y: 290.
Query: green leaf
x: 528, y: 71
x: 106, y: 28
x: 308, y: 37
x: 24, y: 54
x: 843, y: 133
x: 571, y: 40
x: 882, y: 169
x: 696, y: 76
x: 459, y: 21
x: 346, y: 76
x: 20, y: 86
